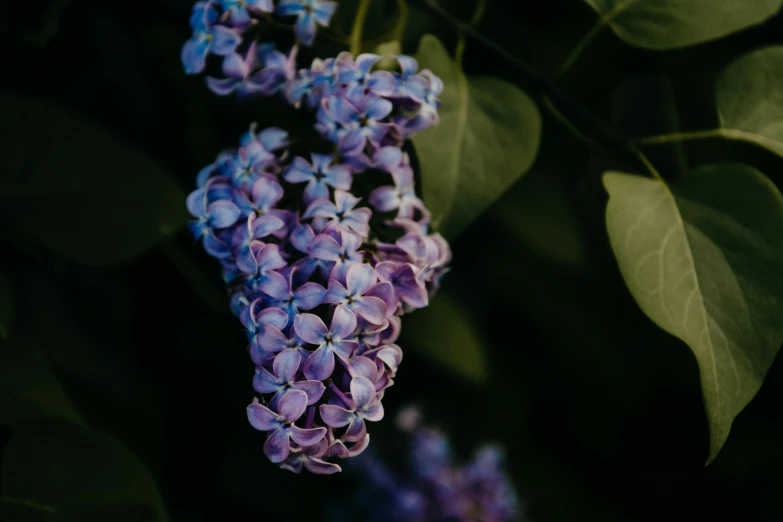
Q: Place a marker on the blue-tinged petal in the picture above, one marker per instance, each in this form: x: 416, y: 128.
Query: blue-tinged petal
x: 309, y: 295
x: 313, y: 389
x: 222, y: 86
x: 382, y: 83
x: 194, y: 54
x: 359, y: 446
x: 292, y: 405
x: 265, y: 382
x: 315, y: 189
x: 385, y: 199
x: 371, y: 308
x: 246, y: 260
x: 197, y: 228
x: 273, y: 138
x: 289, y: 8
x: 360, y: 278
x: 261, y: 6
x: 286, y: 365
x: 203, y: 175
x: 274, y: 284
x: 196, y: 203
x: 269, y: 258
x: 356, y: 430
x: 215, y: 247
x: 300, y: 171
x: 338, y: 176
x: 202, y: 16
x: 261, y: 417
x: 391, y: 355
x: 343, y: 111
x: 222, y: 214
x: 301, y: 237
x: 225, y: 40
x: 266, y: 192
x: 363, y: 367
x: 272, y: 339
x: 304, y: 28
x: 320, y: 365
x: 307, y: 437
x: 352, y: 142
x: 377, y: 108
x: 362, y: 392
x: 274, y: 317
x: 320, y: 208
x: 235, y: 66
x: 310, y: 328
x: 373, y: 412
x: 276, y: 446
x: 408, y: 65
x: 265, y: 225
x: 321, y: 162
x: 335, y: 416
x: 336, y: 293
x: 344, y: 348
x: 324, y: 247
x: 323, y: 11
x: 343, y: 321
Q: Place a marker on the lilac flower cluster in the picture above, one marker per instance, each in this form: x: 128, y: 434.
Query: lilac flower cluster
x: 318, y: 279
x: 318, y: 292
x: 358, y: 107
x: 434, y: 489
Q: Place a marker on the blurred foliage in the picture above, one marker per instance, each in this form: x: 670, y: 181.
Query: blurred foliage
x: 600, y: 411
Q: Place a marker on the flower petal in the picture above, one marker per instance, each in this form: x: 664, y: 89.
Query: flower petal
x: 313, y: 389
x: 309, y: 295
x: 292, y: 405
x: 321, y: 467
x: 286, y: 365
x: 310, y: 328
x: 335, y: 416
x: 265, y: 382
x: 261, y: 417
x: 371, y: 308
x: 324, y: 247
x: 373, y: 412
x: 320, y: 365
x: 305, y: 28
x: 307, y: 437
x: 274, y: 284
x: 362, y: 392
x: 222, y: 214
x: 360, y: 278
x: 273, y: 317
x: 276, y: 446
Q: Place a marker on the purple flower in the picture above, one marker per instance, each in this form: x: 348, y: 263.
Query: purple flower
x: 407, y: 287
x: 356, y: 78
x: 281, y: 423
x: 210, y: 215
x: 255, y: 319
x: 239, y: 11
x: 356, y: 295
x: 247, y: 165
x: 341, y: 213
x: 257, y: 228
x: 340, y: 256
x: 306, y: 297
x: 312, y: 329
x: 312, y: 459
x: 282, y: 379
x: 359, y: 116
x: 409, y: 84
x: 309, y: 13
x: 262, y: 70
x: 402, y: 196
x: 366, y: 406
x: 206, y: 38
x: 264, y: 195
x: 319, y: 175
x: 260, y: 269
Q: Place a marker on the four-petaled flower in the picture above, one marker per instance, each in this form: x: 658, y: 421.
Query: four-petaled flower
x: 207, y: 37
x: 282, y: 378
x: 312, y: 330
x: 366, y: 406
x: 310, y: 13
x: 357, y: 296
x: 281, y: 424
x: 319, y: 175
x: 341, y: 213
x: 356, y: 78
x: 360, y: 117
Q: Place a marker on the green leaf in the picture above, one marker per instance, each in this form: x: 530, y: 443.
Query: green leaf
x: 60, y: 464
x: 749, y: 97
x: 705, y: 262
x: 668, y: 24
x: 487, y: 138
x: 6, y: 305
x: 28, y: 387
x: 445, y: 333
x: 76, y: 188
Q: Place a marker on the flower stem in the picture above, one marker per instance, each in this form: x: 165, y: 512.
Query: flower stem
x: 579, y: 49
x: 481, y: 6
x: 358, y: 26
x: 28, y: 503
x: 679, y: 136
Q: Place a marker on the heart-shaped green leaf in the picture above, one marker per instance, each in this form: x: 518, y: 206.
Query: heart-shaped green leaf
x: 487, y: 138
x: 668, y: 24
x: 705, y: 262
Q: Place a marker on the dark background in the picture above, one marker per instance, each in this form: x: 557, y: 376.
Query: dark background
x: 600, y: 412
